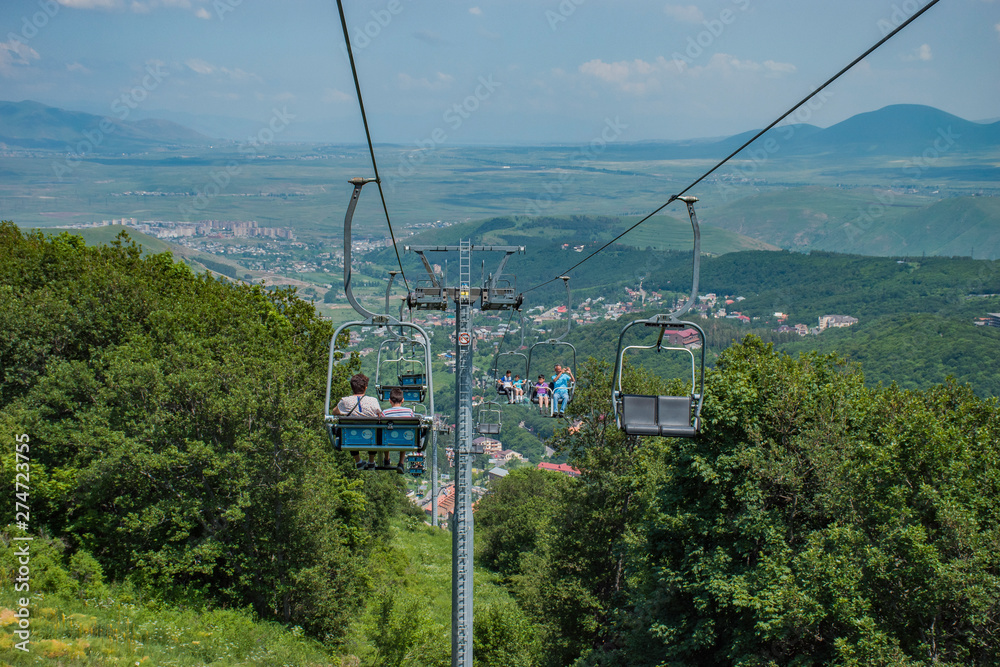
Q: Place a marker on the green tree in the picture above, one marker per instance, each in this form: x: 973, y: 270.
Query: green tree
x: 176, y: 430
x: 819, y: 522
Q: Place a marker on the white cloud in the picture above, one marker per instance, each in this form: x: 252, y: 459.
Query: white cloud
x: 334, y: 96
x: 779, y: 68
x: 91, y: 4
x: 997, y: 26
x: 199, y: 66
x: 14, y: 53
x: 639, y: 77
x: 922, y: 52
x: 475, y: 11
x: 138, y: 6
x: 685, y: 13
x: 77, y: 67
x: 440, y: 82
x: 636, y: 77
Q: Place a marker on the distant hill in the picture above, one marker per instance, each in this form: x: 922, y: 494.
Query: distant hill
x: 30, y: 124
x: 659, y: 233
x: 819, y: 218
x: 899, y: 129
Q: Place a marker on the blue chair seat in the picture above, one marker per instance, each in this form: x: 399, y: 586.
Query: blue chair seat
x: 389, y: 434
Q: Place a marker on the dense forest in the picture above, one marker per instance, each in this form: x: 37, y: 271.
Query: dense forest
x: 176, y: 449
x: 814, y: 522
x: 175, y: 428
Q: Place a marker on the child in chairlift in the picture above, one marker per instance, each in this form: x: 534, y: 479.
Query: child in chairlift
x: 518, y: 389
x: 542, y: 391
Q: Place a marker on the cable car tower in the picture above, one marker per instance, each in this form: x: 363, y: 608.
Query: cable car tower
x: 496, y: 293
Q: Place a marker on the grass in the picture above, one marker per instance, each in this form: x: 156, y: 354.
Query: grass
x: 123, y: 630
x: 413, y: 574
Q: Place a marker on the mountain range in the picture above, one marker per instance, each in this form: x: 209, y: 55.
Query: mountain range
x: 30, y: 124
x: 901, y: 129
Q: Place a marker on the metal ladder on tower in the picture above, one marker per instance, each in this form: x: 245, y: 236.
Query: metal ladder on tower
x: 462, y: 541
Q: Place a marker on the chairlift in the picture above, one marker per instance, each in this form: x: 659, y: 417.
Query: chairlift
x: 519, y: 359
x: 556, y: 343
x: 410, y: 435
x: 490, y: 418
x: 410, y: 375
x: 670, y: 416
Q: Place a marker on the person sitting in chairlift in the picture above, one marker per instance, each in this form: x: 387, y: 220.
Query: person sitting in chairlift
x: 560, y: 392
x: 359, y: 405
x: 396, y: 410
x: 508, y: 387
x: 542, y: 392
x: 518, y: 389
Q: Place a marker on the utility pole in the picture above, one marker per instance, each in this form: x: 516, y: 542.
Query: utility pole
x: 494, y: 296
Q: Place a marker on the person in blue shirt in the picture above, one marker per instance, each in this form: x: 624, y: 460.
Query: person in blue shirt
x: 561, y: 381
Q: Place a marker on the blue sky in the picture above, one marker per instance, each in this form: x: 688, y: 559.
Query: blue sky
x: 495, y: 71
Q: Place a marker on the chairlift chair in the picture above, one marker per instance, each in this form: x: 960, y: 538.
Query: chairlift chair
x: 490, y: 417
x: 553, y: 343
x: 409, y: 374
x: 383, y: 435
x: 670, y: 416
x: 521, y: 361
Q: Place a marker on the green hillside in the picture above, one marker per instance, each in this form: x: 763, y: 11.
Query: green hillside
x: 964, y: 226
x: 673, y: 233
x: 867, y: 221
x: 660, y: 232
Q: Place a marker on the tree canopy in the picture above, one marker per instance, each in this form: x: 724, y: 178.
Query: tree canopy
x: 814, y: 521
x: 176, y: 429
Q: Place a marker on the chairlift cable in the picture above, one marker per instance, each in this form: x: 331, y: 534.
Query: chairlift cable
x: 371, y: 147
x: 748, y: 142
x: 506, y: 329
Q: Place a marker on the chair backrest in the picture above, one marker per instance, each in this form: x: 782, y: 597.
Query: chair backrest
x: 673, y: 411
x: 657, y: 415
x: 488, y: 429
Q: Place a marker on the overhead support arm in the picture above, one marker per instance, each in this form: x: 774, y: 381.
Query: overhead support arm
x: 569, y: 308
x: 358, y: 183
x: 388, y: 289
x: 696, y: 262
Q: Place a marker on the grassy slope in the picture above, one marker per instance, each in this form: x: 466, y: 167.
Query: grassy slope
x: 125, y: 629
